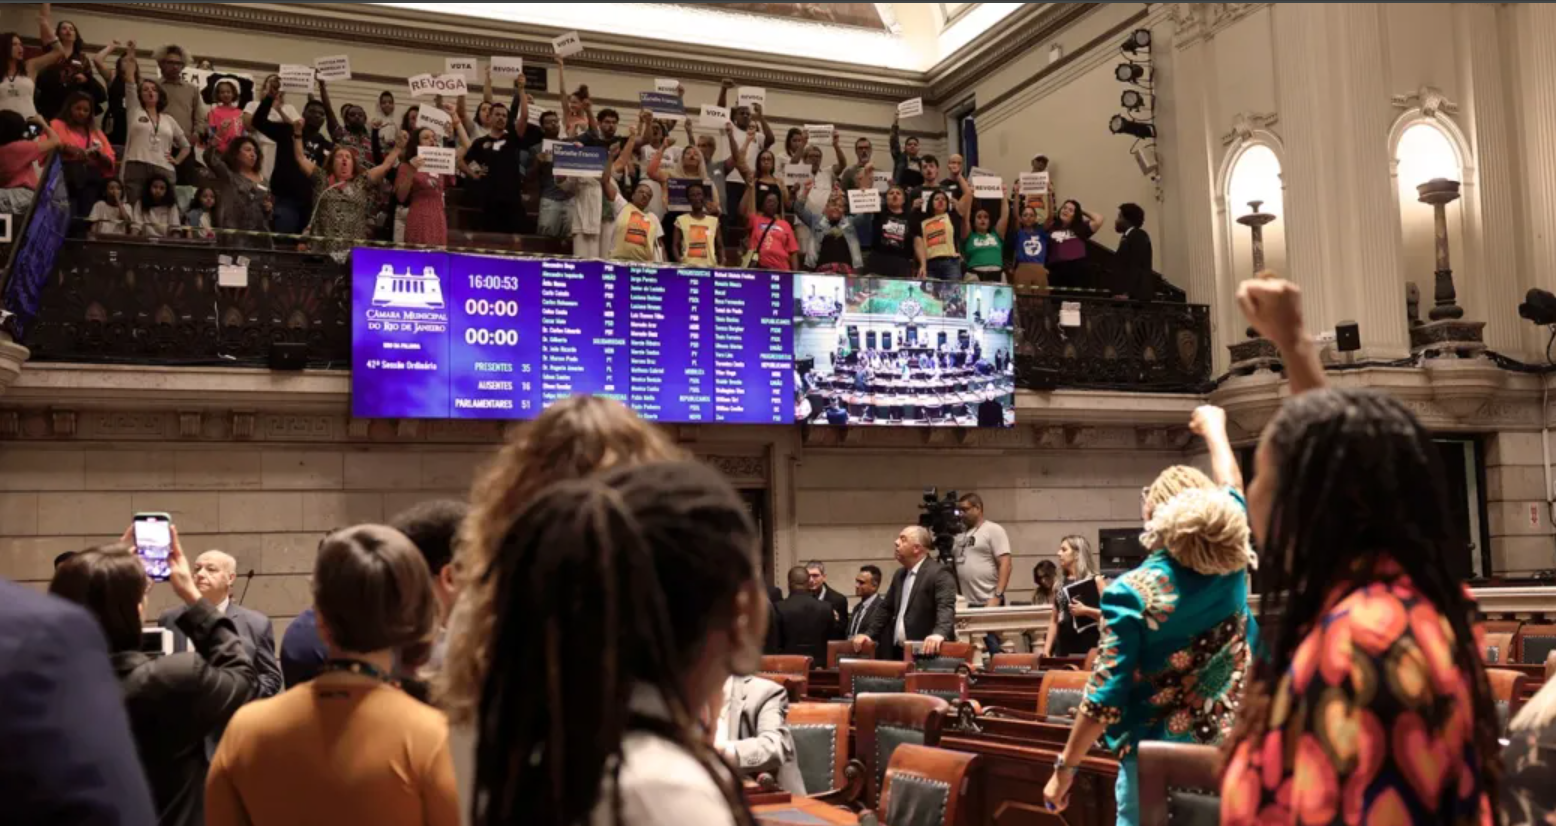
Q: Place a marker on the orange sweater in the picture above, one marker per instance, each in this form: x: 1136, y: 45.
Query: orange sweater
x: 339, y: 749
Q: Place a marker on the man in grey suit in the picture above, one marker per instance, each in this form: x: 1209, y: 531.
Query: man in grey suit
x: 753, y: 732
x: 214, y: 574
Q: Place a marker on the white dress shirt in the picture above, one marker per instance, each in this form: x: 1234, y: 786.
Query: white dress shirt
x: 902, y: 606
x: 860, y: 613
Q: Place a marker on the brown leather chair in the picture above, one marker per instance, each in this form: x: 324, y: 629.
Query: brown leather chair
x: 1061, y: 694
x: 839, y: 650
x: 857, y: 677
x: 1534, y: 643
x: 1091, y: 660
x: 953, y: 656
x: 797, y: 687
x: 822, y: 739
x: 886, y: 722
x: 1179, y: 784
x: 926, y: 787
x: 1507, y: 689
x: 1501, y: 637
x: 949, y: 687
x: 1014, y: 664
x: 785, y: 664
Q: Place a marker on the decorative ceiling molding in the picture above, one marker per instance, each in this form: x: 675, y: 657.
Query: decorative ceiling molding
x: 1023, y: 30
x: 1195, y: 22
x: 407, y: 29
x: 1429, y: 99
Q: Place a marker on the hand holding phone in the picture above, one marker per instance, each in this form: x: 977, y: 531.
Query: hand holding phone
x: 153, y: 538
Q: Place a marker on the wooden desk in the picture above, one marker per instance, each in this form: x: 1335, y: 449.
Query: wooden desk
x: 1013, y: 691
x: 1018, y: 758
x: 803, y: 811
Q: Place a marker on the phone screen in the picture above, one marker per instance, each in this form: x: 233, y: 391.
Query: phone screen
x: 153, y: 543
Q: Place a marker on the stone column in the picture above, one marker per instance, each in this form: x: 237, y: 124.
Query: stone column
x: 1335, y: 117
x: 12, y: 357
x: 1535, y: 25
x: 1519, y: 524
x: 1193, y: 179
x: 1491, y: 283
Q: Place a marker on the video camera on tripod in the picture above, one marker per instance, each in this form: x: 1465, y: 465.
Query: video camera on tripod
x: 943, y: 519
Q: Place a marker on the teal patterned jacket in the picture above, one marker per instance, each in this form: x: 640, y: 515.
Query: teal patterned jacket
x: 1173, y: 656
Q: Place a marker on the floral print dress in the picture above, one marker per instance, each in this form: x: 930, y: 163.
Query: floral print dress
x: 1373, y: 723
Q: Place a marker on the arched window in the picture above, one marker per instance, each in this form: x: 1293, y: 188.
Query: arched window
x: 1422, y: 152
x: 1255, y: 176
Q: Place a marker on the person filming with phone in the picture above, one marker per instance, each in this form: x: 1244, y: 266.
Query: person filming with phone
x: 175, y: 701
x: 214, y: 575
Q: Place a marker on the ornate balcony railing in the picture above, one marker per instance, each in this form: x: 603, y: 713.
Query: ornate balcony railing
x: 159, y: 303
x: 1157, y: 347
x: 117, y: 302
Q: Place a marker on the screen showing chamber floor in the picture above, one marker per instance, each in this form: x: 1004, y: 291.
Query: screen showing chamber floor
x: 875, y: 351
x: 449, y: 336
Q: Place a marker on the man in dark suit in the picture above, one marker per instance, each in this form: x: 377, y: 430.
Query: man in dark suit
x: 1134, y: 254
x: 837, y: 602
x: 806, y: 622
x: 214, y: 574
x: 921, y: 604
x: 68, y: 756
x: 867, y: 586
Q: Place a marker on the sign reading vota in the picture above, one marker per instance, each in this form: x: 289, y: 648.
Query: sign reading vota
x: 399, y: 334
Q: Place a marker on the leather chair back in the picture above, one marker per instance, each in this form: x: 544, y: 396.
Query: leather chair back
x: 1014, y: 664
x: 887, y: 722
x: 1507, y: 687
x: 1061, y: 694
x: 1501, y: 639
x: 856, y: 677
x: 785, y: 664
x: 952, y: 656
x: 839, y: 650
x: 821, y: 744
x: 949, y: 687
x: 1179, y: 784
x: 798, y: 687
x: 926, y: 787
x: 1534, y: 643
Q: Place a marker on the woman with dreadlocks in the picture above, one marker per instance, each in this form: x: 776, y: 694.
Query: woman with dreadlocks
x: 1369, y: 703
x: 1176, y: 630
x: 634, y: 596
x: 572, y: 439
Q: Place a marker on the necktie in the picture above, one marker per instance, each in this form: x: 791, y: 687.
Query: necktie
x: 902, y: 606
x: 859, y: 617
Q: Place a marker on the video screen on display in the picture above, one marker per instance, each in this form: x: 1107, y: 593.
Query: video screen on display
x: 452, y: 336
x: 874, y: 351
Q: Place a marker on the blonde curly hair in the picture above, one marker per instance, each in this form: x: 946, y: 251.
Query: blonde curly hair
x: 1204, y: 530
x: 572, y: 439
x: 1170, y: 483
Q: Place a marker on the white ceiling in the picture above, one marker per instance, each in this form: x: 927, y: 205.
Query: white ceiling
x: 917, y: 45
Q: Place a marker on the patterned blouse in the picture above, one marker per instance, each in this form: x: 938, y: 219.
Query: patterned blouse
x: 1373, y: 723
x: 341, y: 211
x: 1173, y: 655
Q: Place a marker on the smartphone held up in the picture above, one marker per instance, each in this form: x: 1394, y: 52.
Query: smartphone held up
x: 154, y: 544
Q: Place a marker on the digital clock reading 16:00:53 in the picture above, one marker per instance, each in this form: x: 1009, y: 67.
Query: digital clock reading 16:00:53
x: 494, y: 282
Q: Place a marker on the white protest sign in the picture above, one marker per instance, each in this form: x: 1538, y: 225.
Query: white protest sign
x: 507, y: 68
x: 466, y: 67
x: 436, y: 160
x: 1070, y: 314
x: 297, y: 79
x: 749, y: 95
x: 229, y: 274
x: 448, y: 85
x: 568, y: 44
x: 547, y: 145
x: 535, y: 114
x: 820, y: 133
x: 429, y: 117
x: 666, y: 85
x: 334, y: 67
x: 988, y: 186
x: 910, y: 108
x: 882, y: 181
x: 980, y: 172
x: 797, y: 173
x: 1034, y: 183
x: 713, y: 117
x: 864, y: 201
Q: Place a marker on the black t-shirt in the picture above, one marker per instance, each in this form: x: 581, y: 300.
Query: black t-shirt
x: 894, y: 234
x: 912, y: 174
x: 834, y: 250
x: 288, y: 180
x: 504, y: 177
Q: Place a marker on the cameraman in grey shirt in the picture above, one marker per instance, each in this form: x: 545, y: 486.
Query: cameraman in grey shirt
x: 982, y: 556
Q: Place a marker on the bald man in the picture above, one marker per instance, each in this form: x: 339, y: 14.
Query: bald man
x: 921, y: 605
x: 214, y: 574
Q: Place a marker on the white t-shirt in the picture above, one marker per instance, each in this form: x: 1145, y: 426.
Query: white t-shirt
x: 670, y: 162
x: 753, y: 152
x: 977, y: 561
x: 16, y: 95
x: 267, y: 146
x: 820, y: 192
x: 155, y: 222
x: 109, y: 219
x: 149, y: 140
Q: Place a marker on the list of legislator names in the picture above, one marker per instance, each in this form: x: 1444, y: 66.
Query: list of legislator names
x: 516, y: 335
